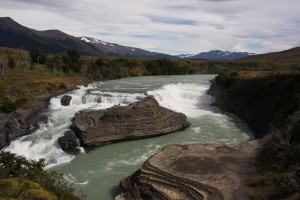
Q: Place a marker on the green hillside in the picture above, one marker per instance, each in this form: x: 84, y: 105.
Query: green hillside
x: 288, y: 58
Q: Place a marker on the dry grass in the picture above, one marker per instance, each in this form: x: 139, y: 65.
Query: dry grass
x: 257, y: 74
x: 34, y: 85
x: 31, y: 81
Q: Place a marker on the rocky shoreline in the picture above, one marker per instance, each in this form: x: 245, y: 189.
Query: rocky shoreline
x: 193, y: 172
x: 24, y: 122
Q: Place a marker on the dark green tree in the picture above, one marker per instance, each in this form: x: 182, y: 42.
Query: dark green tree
x: 153, y: 67
x: 11, y: 62
x: 72, y: 61
x: 38, y: 56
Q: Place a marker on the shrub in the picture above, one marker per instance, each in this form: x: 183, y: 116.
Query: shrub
x: 38, y: 56
x: 279, y: 162
x: 62, y: 86
x: 226, y: 79
x: 11, y: 62
x: 17, y: 169
x: 21, y: 188
x: 8, y: 106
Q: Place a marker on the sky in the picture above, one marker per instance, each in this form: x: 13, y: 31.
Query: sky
x: 168, y: 26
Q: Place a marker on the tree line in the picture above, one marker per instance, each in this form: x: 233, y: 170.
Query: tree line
x: 103, y: 67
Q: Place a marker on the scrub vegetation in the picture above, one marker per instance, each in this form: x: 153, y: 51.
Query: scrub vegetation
x: 26, y: 179
x: 278, y: 164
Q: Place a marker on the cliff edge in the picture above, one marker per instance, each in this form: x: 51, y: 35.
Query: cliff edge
x: 263, y: 102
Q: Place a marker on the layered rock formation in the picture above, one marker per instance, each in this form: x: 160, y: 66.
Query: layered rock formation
x: 192, y: 172
x: 138, y: 120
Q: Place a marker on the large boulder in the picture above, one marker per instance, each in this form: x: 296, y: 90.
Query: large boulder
x: 193, y: 172
x: 138, y: 120
x: 65, y: 100
x: 16, y: 126
x: 69, y: 143
x: 19, y: 124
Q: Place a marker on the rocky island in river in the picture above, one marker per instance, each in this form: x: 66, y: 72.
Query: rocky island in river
x: 143, y: 119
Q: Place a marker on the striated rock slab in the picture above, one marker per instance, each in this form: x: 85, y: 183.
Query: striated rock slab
x: 138, y: 120
x: 193, y: 172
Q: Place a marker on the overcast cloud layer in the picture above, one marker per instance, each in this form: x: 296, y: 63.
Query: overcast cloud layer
x: 168, y: 26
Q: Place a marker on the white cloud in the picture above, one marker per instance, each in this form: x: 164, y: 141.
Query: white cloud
x: 177, y: 26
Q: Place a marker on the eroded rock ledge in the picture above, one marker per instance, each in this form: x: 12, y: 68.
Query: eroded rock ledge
x: 138, y: 120
x: 192, y: 172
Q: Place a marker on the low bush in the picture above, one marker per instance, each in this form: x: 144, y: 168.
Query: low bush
x: 27, y: 178
x: 226, y: 79
x: 279, y: 163
x: 8, y: 106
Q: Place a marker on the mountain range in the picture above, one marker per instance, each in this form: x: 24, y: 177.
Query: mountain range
x: 120, y: 50
x: 15, y: 35
x: 217, y: 55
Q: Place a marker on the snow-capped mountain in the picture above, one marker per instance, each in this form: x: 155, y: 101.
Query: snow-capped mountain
x: 119, y: 50
x: 15, y: 35
x: 219, y: 55
x: 185, y: 55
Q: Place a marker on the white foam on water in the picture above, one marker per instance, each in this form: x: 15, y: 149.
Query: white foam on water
x: 83, y: 183
x: 196, y: 129
x: 43, y: 142
x: 71, y: 179
x: 109, y: 165
x: 187, y: 98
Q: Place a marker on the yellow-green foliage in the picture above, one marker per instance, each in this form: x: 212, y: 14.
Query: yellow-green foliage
x: 20, y: 188
x: 26, y: 179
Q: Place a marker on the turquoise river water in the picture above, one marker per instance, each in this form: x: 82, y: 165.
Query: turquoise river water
x: 98, y: 172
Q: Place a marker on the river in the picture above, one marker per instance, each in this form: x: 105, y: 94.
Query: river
x: 98, y: 172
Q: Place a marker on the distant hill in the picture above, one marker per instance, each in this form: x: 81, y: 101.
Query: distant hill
x: 14, y: 35
x: 218, y: 55
x: 287, y: 58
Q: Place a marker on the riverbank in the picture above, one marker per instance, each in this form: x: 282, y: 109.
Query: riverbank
x: 271, y: 171
x: 27, y: 119
x: 270, y: 106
